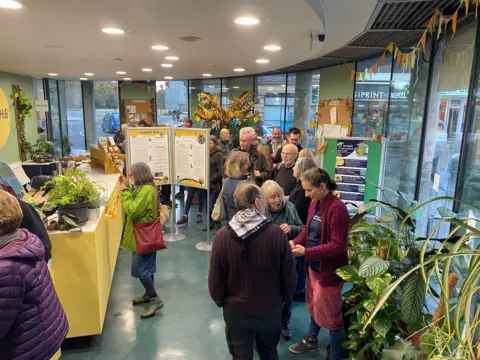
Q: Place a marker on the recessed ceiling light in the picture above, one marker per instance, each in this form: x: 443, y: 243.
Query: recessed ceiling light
x: 84, y: 79
x: 10, y: 4
x: 147, y: 70
x: 226, y: 88
x: 127, y: 79
x: 314, y: 85
x: 207, y: 75
x: 167, y: 65
x: 239, y: 69
x: 174, y: 58
x: 113, y: 31
x: 272, y: 48
x: 89, y: 74
x: 283, y: 85
x: 121, y: 72
x: 52, y: 74
x: 168, y: 78
x: 263, y: 61
x: 159, y: 47
x: 236, y: 87
x: 246, y: 21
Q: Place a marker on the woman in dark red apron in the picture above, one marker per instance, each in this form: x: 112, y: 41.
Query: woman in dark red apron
x: 323, y: 242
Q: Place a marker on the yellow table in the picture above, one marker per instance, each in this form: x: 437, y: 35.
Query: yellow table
x: 83, y: 264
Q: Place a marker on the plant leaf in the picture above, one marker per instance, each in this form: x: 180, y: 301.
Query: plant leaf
x: 378, y: 283
x: 382, y: 325
x: 446, y: 213
x: 413, y: 299
x: 401, y: 349
x: 349, y: 274
x: 387, y: 218
x: 372, y: 266
x: 70, y: 222
x: 369, y: 304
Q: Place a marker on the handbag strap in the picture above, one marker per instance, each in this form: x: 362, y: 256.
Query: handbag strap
x: 158, y: 203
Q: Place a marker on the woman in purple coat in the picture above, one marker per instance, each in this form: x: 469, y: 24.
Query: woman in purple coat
x: 33, y: 324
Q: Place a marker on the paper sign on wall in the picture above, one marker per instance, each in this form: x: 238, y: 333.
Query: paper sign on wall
x: 131, y: 109
x: 41, y: 105
x: 332, y: 130
x: 333, y: 115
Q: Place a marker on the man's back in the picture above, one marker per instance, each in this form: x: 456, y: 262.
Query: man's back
x: 254, y: 276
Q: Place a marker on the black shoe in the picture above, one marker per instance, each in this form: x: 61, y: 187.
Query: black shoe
x: 183, y: 220
x: 199, y: 218
x: 306, y: 344
x: 212, y: 227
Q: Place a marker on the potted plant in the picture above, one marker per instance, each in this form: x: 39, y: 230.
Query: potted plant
x: 41, y: 151
x: 73, y: 192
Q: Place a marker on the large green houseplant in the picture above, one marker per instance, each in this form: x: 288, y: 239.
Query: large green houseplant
x: 41, y: 151
x: 453, y: 333
x: 74, y: 193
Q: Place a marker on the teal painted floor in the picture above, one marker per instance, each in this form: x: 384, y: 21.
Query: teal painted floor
x: 190, y: 326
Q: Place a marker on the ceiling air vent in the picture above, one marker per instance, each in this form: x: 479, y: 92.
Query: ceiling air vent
x: 189, y: 38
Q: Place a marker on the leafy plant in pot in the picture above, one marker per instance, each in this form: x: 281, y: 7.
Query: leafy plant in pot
x: 73, y: 192
x: 41, y: 151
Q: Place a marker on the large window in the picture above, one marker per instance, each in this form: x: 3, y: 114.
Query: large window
x: 74, y: 116
x: 54, y: 105
x: 371, y: 98
x: 445, y: 123
x: 404, y: 128
x: 210, y: 86
x: 172, y: 98
x: 234, y: 87
x: 271, y: 91
x: 107, y: 114
x: 41, y: 116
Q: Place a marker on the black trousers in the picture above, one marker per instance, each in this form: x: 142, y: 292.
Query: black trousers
x: 242, y: 332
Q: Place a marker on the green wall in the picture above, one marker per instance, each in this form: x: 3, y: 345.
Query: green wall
x: 335, y: 82
x: 133, y: 91
x: 9, y: 153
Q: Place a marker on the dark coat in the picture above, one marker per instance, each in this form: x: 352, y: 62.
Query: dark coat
x: 32, y: 222
x: 33, y: 324
x: 216, y: 170
x: 302, y: 203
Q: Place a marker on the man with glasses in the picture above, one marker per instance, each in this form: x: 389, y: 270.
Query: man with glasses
x: 283, y: 173
x: 294, y: 138
x: 251, y: 294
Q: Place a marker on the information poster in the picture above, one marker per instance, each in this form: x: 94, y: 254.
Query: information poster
x: 151, y: 146
x: 351, y: 169
x: 191, y: 155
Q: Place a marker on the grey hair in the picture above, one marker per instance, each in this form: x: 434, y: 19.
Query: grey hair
x: 271, y: 187
x: 223, y: 130
x: 248, y: 130
x: 245, y: 195
x: 302, y: 165
x: 142, y: 174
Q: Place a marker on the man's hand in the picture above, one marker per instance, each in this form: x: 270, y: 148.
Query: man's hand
x: 298, y: 251
x: 286, y: 228
x: 292, y: 244
x: 257, y: 173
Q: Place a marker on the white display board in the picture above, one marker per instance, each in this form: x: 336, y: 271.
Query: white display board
x: 192, y: 157
x: 151, y: 146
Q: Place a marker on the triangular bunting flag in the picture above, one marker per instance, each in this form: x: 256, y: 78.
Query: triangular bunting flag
x: 142, y: 87
x: 413, y: 58
x: 363, y: 76
x: 358, y: 77
x: 390, y: 47
x: 430, y: 25
x: 423, y: 41
x: 440, y: 20
x: 398, y: 57
x: 476, y: 8
x: 352, y: 75
x: 454, y: 23
x: 375, y: 68
x: 446, y: 23
x: 467, y: 4
x: 382, y: 59
x: 370, y: 73
x: 396, y: 53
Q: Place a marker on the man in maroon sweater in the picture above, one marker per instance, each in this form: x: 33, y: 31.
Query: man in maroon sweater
x: 252, y: 274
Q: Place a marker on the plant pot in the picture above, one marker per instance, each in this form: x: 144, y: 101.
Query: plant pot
x: 93, y: 214
x: 42, y: 158
x: 79, y: 210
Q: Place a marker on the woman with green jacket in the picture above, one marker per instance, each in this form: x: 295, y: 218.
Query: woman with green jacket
x: 140, y: 205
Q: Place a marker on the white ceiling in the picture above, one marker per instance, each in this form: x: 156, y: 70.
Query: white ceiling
x: 64, y: 36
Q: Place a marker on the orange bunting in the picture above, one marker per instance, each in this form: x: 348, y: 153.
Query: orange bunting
x: 423, y: 41
x: 454, y: 23
x: 430, y: 24
x: 446, y: 23
x: 375, y: 68
x: 322, y: 148
x: 399, y: 57
x: 357, y: 77
x: 382, y: 59
x: 352, y: 75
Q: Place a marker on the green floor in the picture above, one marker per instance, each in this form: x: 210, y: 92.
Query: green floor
x: 190, y: 326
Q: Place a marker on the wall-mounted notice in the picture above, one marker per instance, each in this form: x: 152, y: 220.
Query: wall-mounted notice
x: 151, y: 146
x: 191, y: 149
x: 350, y: 170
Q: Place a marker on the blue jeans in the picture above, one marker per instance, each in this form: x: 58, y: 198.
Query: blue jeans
x: 337, y: 338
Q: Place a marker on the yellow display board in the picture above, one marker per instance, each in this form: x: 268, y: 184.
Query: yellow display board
x: 4, y: 119
x: 83, y: 264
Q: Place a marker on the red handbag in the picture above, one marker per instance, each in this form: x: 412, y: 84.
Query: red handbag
x: 149, y: 236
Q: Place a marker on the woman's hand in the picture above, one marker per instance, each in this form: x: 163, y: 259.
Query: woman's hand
x: 123, y: 182
x: 298, y: 251
x: 286, y: 228
x: 292, y: 244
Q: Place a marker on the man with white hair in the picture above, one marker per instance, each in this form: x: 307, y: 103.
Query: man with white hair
x: 224, y: 142
x: 283, y: 174
x: 259, y: 168
x: 276, y: 142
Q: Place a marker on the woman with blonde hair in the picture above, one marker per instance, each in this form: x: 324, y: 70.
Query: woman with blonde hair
x: 33, y: 323
x: 140, y: 205
x: 236, y: 170
x: 305, y: 153
x: 283, y: 214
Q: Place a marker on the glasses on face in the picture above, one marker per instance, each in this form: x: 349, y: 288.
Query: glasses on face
x: 294, y: 140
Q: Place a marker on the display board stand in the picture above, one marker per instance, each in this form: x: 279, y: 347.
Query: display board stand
x: 356, y: 164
